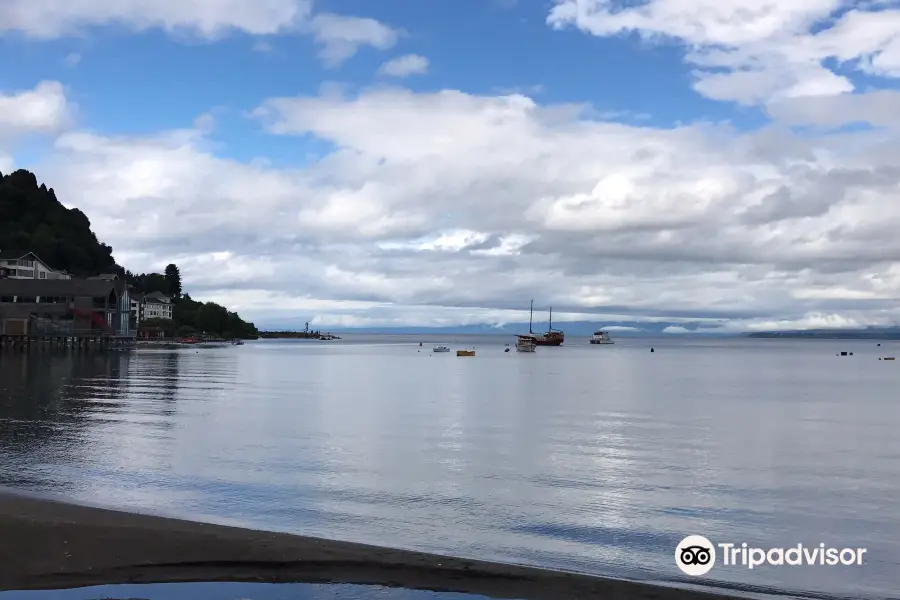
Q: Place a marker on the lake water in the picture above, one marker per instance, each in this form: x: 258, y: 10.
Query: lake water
x: 597, y: 459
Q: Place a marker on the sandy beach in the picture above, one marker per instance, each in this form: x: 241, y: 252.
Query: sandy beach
x: 49, y: 544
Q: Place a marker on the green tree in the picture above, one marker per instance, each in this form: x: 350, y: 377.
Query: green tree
x: 151, y: 282
x: 173, y: 276
x: 32, y: 219
x: 185, y: 331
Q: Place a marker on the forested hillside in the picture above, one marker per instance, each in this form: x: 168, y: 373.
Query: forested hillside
x: 32, y: 219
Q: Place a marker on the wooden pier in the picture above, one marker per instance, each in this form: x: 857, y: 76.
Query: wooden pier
x: 84, y: 342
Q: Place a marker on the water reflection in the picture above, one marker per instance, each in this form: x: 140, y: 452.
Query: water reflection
x: 62, y: 414
x: 46, y: 402
x: 232, y: 591
x: 583, y: 458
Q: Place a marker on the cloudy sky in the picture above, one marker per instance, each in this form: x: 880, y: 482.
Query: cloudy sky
x: 438, y: 162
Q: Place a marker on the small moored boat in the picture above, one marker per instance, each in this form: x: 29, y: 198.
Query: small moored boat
x: 441, y: 349
x: 465, y: 353
x: 601, y: 337
x: 526, y: 343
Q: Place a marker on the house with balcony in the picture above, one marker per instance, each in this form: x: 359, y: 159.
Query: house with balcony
x: 65, y: 307
x: 26, y: 265
x: 154, y: 305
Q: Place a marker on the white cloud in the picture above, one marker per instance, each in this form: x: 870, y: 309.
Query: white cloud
x: 675, y: 329
x: 340, y: 37
x: 43, y: 109
x: 205, y: 123
x: 72, y: 59
x: 404, y: 66
x: 206, y: 18
x: 445, y: 208
x: 751, y: 51
x: 478, y: 203
x: 880, y: 108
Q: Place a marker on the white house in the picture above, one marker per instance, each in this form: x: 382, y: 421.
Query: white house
x: 154, y: 305
x: 28, y: 266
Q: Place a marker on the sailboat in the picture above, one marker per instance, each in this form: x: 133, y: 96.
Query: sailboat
x: 553, y: 337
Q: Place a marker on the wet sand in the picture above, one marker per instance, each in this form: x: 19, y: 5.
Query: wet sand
x: 47, y: 544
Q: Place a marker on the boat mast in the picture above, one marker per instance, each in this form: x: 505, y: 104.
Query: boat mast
x: 550, y: 324
x: 530, y: 316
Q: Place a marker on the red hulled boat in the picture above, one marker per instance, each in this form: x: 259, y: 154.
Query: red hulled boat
x: 552, y: 337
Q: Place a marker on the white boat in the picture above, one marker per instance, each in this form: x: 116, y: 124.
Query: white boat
x: 601, y: 337
x: 441, y: 349
x: 526, y: 343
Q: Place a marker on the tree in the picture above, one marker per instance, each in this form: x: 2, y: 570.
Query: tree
x: 151, y: 282
x: 173, y: 276
x: 32, y: 219
x: 185, y: 331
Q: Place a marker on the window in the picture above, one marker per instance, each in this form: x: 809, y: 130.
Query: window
x: 26, y: 299
x: 26, y: 263
x: 7, y: 299
x: 26, y: 273
x: 43, y: 274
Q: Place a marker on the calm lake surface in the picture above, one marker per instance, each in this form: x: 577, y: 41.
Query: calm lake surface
x: 597, y: 459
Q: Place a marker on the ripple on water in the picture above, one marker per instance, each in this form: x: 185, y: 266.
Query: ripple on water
x: 586, y: 459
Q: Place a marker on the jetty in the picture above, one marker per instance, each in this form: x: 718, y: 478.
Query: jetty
x: 91, y: 313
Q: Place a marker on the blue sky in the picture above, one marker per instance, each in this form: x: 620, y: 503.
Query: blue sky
x: 621, y: 161
x: 480, y: 47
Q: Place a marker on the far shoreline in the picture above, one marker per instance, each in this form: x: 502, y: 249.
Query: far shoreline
x: 63, y: 545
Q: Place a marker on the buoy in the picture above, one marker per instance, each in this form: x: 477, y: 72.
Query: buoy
x: 507, y: 350
x: 652, y: 350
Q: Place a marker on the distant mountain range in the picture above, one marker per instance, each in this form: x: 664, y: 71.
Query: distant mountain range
x: 623, y: 329
x: 869, y: 333
x: 572, y: 328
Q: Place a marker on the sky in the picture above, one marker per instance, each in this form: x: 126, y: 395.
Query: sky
x: 727, y: 164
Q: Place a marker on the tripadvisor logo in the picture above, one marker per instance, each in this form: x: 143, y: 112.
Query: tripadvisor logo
x: 695, y: 555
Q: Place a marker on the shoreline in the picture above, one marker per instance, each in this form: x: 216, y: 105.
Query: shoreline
x: 61, y: 545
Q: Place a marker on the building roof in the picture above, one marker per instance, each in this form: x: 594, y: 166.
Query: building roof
x: 58, y: 287
x: 157, y: 296
x: 17, y: 254
x: 107, y: 276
